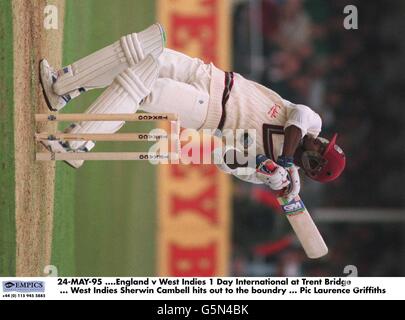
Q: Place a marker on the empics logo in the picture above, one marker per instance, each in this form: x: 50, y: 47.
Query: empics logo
x: 23, y: 286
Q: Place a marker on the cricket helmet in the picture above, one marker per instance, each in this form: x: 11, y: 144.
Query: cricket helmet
x: 326, y: 166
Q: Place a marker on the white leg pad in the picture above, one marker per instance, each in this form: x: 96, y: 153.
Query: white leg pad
x: 99, y: 69
x: 122, y: 96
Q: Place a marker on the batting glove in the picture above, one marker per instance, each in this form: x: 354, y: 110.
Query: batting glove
x: 271, y: 174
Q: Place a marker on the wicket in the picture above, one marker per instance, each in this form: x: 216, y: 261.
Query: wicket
x: 110, y: 156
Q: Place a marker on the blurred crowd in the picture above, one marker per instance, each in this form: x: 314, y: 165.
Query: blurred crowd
x: 353, y: 79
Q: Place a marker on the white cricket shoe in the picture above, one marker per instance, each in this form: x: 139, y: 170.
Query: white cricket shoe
x: 60, y: 147
x: 48, y: 77
x: 57, y: 146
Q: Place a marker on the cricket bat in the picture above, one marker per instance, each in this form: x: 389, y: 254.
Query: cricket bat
x: 303, y: 226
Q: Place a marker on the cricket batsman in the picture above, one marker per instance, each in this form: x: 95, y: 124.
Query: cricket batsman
x: 140, y: 73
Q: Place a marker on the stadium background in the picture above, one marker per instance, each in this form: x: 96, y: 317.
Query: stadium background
x: 132, y: 219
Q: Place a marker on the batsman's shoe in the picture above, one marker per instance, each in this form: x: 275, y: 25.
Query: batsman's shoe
x: 48, y: 77
x: 55, y: 146
x: 60, y: 147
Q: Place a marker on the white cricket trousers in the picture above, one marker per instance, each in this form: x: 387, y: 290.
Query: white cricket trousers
x: 183, y: 88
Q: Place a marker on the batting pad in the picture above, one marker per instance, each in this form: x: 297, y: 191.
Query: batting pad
x: 122, y: 96
x: 99, y: 69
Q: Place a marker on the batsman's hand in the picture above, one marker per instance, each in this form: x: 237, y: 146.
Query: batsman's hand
x: 294, y: 188
x: 271, y: 174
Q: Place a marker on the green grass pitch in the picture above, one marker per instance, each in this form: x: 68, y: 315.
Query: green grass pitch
x: 105, y: 212
x: 104, y: 217
x: 7, y: 184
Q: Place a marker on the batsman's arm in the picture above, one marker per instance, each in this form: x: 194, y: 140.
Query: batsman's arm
x: 293, y: 136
